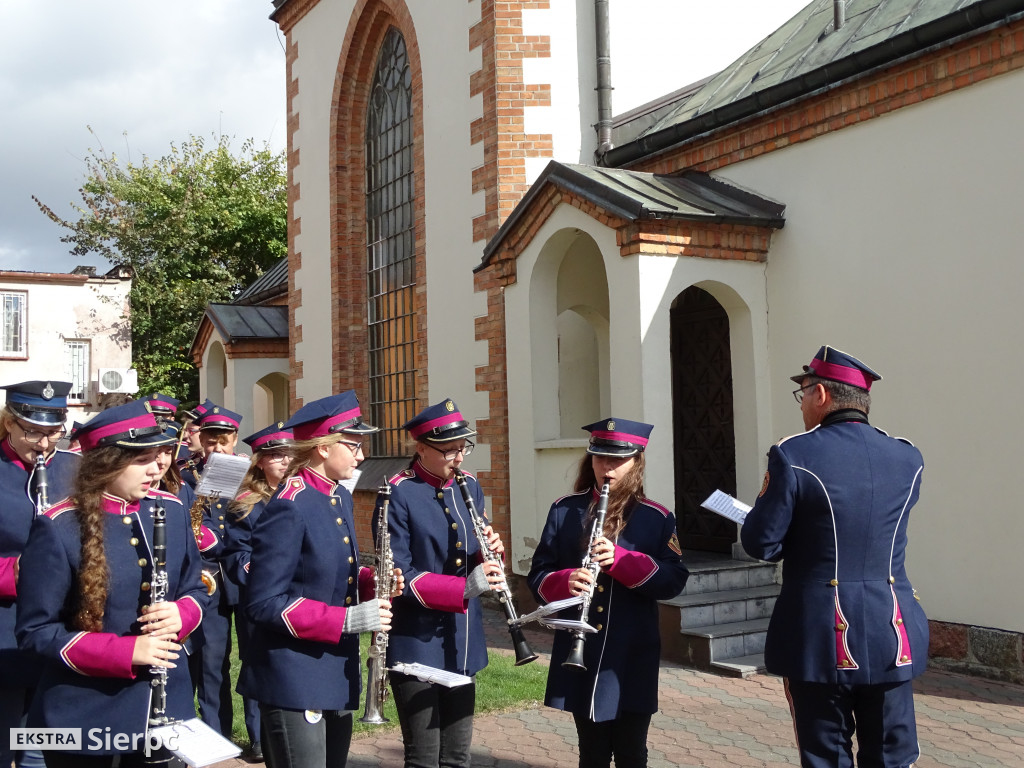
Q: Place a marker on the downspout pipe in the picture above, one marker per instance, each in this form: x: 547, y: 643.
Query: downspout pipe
x: 602, y: 26
x: 838, y: 14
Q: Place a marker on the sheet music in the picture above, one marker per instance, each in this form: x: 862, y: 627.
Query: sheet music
x: 723, y: 504
x: 549, y: 608
x: 222, y: 475
x: 350, y: 484
x: 432, y: 674
x: 195, y: 742
x: 573, y: 625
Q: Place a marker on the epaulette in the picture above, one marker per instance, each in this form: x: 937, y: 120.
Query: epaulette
x: 156, y: 493
x: 655, y: 505
x: 560, y: 499
x: 405, y: 474
x: 894, y: 437
x: 291, y: 488
x: 59, y: 507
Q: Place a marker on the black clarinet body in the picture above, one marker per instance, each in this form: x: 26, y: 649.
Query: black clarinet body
x: 42, y: 487
x: 524, y: 655
x: 575, y: 658
x: 158, y: 594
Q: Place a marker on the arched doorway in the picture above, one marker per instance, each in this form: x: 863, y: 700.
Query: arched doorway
x: 702, y: 418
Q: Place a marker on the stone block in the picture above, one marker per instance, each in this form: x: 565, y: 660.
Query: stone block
x: 948, y: 641
x: 995, y: 648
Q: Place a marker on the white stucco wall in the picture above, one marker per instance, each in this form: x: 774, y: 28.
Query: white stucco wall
x: 95, y: 311
x: 901, y: 246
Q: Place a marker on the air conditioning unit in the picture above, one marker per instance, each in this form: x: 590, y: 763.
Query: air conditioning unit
x: 121, y: 380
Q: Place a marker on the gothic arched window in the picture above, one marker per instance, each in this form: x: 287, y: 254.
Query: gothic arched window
x: 390, y: 247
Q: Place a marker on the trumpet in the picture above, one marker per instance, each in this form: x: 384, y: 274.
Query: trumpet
x: 522, y: 649
x: 575, y: 658
x: 383, y: 585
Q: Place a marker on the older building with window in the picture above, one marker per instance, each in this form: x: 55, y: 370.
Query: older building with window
x: 468, y: 218
x: 70, y: 327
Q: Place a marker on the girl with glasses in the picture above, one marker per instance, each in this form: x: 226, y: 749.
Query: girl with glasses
x: 438, y: 621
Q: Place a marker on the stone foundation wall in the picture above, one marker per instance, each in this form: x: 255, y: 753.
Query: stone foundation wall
x: 992, y: 653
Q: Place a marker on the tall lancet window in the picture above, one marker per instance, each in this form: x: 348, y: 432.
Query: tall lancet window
x: 390, y: 247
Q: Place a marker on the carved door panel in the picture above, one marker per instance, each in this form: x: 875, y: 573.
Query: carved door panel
x: 702, y: 409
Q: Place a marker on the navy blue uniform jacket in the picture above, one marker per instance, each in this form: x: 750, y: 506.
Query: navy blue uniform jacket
x: 433, y: 542
x: 304, y: 573
x: 19, y: 669
x: 834, y: 507
x: 624, y: 656
x: 88, y: 680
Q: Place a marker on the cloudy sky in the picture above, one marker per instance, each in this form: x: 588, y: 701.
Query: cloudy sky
x: 133, y: 76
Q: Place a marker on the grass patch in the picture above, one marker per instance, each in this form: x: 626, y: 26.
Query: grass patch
x: 500, y: 686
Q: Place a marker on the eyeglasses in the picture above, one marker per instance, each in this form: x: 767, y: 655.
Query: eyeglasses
x: 356, y: 448
x: 277, y: 458
x: 798, y: 394
x: 452, y: 453
x: 35, y: 436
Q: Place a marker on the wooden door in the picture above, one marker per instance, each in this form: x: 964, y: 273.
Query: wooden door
x: 702, y: 418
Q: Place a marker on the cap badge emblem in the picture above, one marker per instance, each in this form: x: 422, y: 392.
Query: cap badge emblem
x: 280, y: 425
x: 216, y: 410
x: 450, y: 406
x: 611, y: 425
x: 48, y: 391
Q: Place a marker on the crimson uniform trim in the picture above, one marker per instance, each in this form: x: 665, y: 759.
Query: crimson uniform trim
x: 631, y: 568
x: 313, y: 620
x: 100, y: 654
x: 440, y: 592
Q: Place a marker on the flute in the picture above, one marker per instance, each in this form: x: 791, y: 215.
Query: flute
x: 522, y: 649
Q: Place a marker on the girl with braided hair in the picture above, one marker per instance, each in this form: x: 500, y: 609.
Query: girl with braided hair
x: 86, y: 606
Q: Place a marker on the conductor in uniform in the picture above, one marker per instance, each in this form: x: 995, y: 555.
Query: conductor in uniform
x: 847, y: 633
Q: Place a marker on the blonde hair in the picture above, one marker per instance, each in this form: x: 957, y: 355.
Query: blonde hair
x: 304, y: 451
x: 256, y: 483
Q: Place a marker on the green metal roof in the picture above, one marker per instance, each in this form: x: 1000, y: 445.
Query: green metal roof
x: 807, y: 53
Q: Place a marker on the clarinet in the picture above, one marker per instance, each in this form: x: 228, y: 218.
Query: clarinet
x: 158, y: 594
x: 575, y: 658
x: 523, y: 653
x: 383, y: 585
x: 42, y: 487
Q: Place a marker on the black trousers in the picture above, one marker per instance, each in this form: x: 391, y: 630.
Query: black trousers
x: 624, y: 738
x: 825, y: 717
x: 291, y: 740
x: 437, y: 722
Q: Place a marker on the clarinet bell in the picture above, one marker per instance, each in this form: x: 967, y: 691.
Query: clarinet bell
x: 575, y: 658
x: 524, y: 655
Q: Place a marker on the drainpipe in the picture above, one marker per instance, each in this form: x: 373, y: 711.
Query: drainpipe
x: 604, y: 79
x: 838, y: 14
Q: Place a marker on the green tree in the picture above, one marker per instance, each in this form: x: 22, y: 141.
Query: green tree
x: 194, y: 227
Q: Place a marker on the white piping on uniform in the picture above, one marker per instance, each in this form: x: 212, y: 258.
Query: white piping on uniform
x: 903, y: 511
x: 832, y: 513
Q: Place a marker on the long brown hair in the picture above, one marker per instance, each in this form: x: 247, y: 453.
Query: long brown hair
x: 624, y: 495
x: 98, y: 469
x: 171, y: 481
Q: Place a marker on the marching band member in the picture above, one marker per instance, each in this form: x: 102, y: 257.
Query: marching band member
x: 84, y: 605
x: 211, y: 663
x: 31, y: 423
x: 613, y: 698
x: 437, y: 620
x: 189, y: 451
x: 304, y: 595
x: 271, y: 458
x: 847, y: 633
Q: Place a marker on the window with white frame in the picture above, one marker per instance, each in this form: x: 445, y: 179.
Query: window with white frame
x: 13, y: 342
x: 76, y: 366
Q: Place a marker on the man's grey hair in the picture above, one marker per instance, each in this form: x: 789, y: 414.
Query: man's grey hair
x: 844, y: 395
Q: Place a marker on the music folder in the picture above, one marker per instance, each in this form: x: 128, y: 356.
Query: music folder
x: 195, y: 742
x: 721, y: 503
x: 222, y: 475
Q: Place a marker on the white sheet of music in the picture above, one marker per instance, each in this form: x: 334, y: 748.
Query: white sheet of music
x: 723, y: 504
x: 432, y: 674
x: 573, y: 625
x: 350, y: 484
x: 548, y: 608
x: 196, y: 743
x: 222, y: 475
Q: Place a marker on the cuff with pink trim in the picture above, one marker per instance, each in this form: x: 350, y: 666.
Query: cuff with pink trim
x: 100, y: 654
x: 439, y: 592
x: 207, y: 539
x: 313, y: 620
x: 555, y: 586
x: 632, y: 568
x: 191, y: 615
x: 8, y: 586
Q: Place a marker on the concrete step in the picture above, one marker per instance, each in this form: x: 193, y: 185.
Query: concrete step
x: 702, y: 646
x: 741, y: 666
x: 725, y: 607
x: 725, y: 575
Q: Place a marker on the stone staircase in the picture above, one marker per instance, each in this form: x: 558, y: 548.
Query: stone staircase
x: 719, y: 622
